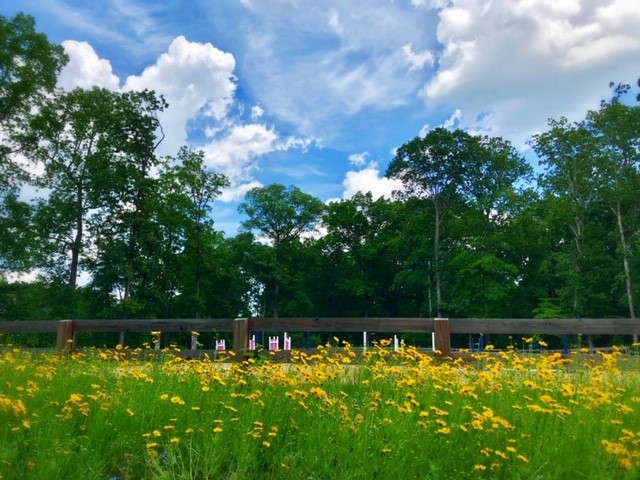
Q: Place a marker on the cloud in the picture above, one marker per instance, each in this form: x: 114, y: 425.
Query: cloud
x: 417, y: 61
x: 511, y: 65
x: 358, y: 159
x: 112, y: 25
x: 236, y: 193
x: 334, y: 22
x: 256, y: 112
x: 196, y: 79
x: 85, y: 69
x: 432, y: 4
x: 299, y: 143
x: 453, y: 120
x: 237, y: 150
x: 331, y: 60
x: 369, y: 180
x: 235, y: 153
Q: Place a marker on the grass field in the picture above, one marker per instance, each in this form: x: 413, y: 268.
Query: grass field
x: 115, y: 415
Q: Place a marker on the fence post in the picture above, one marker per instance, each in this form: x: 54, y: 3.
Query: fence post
x: 240, y: 338
x: 443, y: 336
x: 64, y: 339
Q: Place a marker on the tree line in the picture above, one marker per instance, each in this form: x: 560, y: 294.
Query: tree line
x: 474, y: 232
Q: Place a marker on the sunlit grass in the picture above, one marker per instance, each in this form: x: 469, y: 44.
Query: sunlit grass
x: 104, y: 414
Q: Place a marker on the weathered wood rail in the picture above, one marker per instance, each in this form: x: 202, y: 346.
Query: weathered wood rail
x: 243, y: 327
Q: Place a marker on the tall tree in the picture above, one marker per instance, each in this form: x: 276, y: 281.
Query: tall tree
x: 95, y: 149
x: 29, y: 65
x: 358, y: 237
x: 616, y: 129
x: 413, y: 255
x: 491, y: 188
x: 126, y: 227
x: 432, y: 167
x: 190, y: 190
x: 16, y: 234
x: 71, y: 138
x: 281, y: 214
x: 568, y: 153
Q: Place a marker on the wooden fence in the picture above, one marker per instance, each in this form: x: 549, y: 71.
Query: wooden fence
x: 242, y: 328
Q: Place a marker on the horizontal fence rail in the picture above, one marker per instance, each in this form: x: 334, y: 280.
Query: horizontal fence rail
x: 187, y: 325
x: 346, y: 324
x: 29, y: 326
x: 243, y: 327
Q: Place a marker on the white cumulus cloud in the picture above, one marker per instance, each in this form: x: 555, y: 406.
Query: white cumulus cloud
x: 236, y: 193
x: 369, y: 180
x: 196, y: 79
x: 509, y: 65
x: 417, y: 60
x: 85, y: 69
x: 358, y: 159
x: 234, y: 153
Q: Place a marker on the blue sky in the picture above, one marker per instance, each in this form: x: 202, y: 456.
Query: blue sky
x: 319, y: 93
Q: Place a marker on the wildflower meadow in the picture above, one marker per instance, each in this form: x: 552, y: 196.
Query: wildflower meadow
x: 338, y: 413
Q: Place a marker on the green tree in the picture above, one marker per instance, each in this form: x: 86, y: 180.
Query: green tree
x: 126, y: 228
x: 29, y: 65
x: 568, y: 152
x: 16, y: 234
x: 616, y: 129
x: 281, y: 214
x: 358, y: 238
x: 413, y: 256
x: 484, y: 267
x: 71, y: 137
x: 432, y: 167
x: 188, y: 190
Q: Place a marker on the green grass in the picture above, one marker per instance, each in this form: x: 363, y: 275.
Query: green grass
x: 100, y: 415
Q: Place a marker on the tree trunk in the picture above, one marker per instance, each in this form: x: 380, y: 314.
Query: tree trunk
x: 77, y: 241
x: 625, y: 263
x: 197, y: 269
x: 429, y: 296
x: 276, y: 294
x: 436, y: 247
x: 577, y: 230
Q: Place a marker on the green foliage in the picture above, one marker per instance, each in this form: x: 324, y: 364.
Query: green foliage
x: 358, y: 242
x: 547, y: 309
x: 281, y: 215
x: 16, y: 236
x: 29, y: 65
